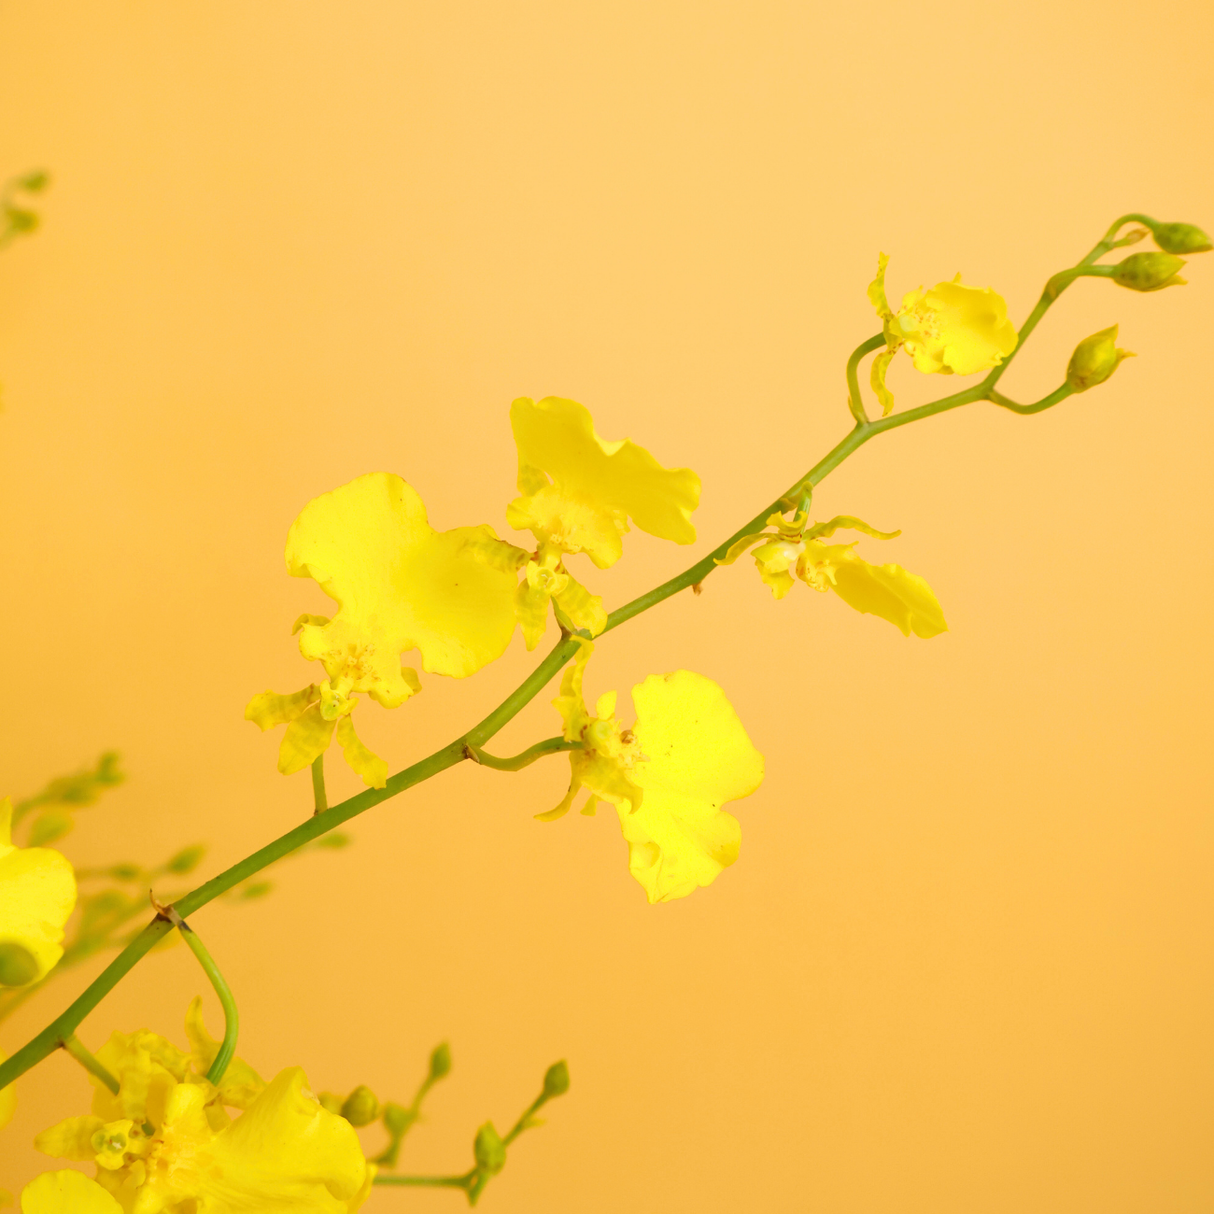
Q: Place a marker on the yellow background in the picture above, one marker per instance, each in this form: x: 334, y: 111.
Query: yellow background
x: 964, y: 962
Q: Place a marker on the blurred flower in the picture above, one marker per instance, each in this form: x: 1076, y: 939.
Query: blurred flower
x: 165, y: 1142
x: 577, y: 495
x: 948, y: 329
x: 37, y: 894
x: 888, y: 591
x: 668, y: 776
x: 399, y: 585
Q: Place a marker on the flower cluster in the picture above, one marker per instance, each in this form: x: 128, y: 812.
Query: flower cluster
x: 165, y: 1143
x: 456, y: 596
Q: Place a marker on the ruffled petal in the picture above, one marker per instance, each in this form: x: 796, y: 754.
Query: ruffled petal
x: 400, y: 585
x: 579, y: 491
x: 285, y: 1153
x: 696, y: 757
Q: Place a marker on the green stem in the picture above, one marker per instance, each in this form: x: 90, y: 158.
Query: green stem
x: 457, y: 750
x: 1054, y: 288
x: 524, y: 1120
x: 74, y: 1046
x: 231, y: 1016
x: 433, y: 1182
x: 318, y: 784
x: 1045, y: 402
x: 549, y: 746
x: 855, y: 402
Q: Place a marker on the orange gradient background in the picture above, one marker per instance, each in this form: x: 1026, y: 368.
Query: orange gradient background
x: 964, y: 961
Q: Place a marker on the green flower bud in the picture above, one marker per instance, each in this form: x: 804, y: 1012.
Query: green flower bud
x: 1181, y: 238
x: 125, y: 872
x: 329, y: 1102
x: 1148, y: 271
x: 17, y: 965
x: 397, y: 1119
x: 440, y: 1061
x: 361, y: 1107
x: 1094, y: 360
x: 35, y: 181
x: 556, y: 1080
x: 186, y: 860
x: 489, y: 1150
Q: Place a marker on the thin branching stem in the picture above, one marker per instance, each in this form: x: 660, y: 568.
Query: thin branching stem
x: 460, y: 748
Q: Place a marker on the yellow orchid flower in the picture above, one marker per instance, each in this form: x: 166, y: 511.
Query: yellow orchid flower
x: 165, y: 1142
x: 577, y: 494
x: 668, y: 776
x: 399, y: 585
x: 888, y: 591
x: 948, y: 329
x: 37, y: 895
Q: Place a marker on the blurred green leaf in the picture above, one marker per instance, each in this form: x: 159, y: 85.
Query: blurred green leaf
x: 48, y: 827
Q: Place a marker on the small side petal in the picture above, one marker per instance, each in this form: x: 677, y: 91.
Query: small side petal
x: 372, y: 769
x: 306, y: 739
x: 889, y: 591
x: 583, y: 609
x: 270, y: 709
x: 531, y: 608
x: 570, y: 703
x: 877, y: 380
x: 70, y: 1139
x: 876, y: 288
x: 847, y: 522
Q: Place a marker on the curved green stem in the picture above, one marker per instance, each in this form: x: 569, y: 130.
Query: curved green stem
x: 855, y: 402
x: 231, y: 1016
x: 549, y: 746
x: 78, y: 1050
x: 1046, y: 402
x: 458, y: 750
